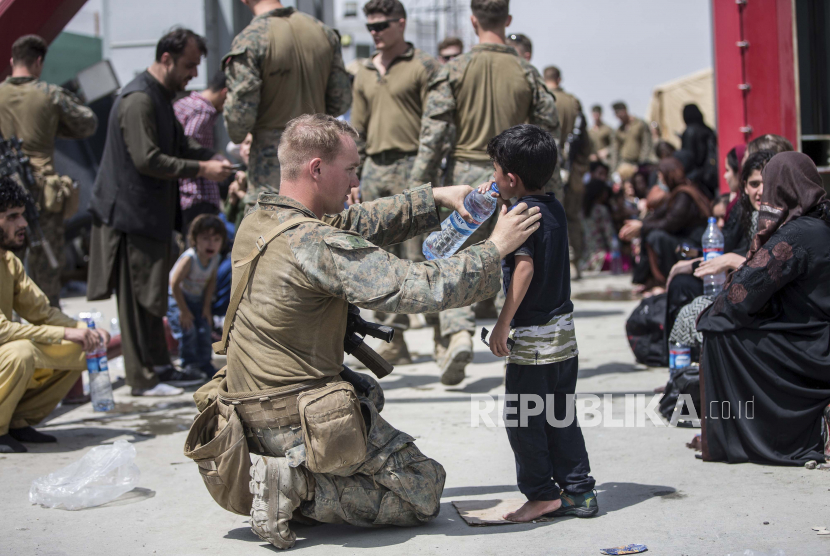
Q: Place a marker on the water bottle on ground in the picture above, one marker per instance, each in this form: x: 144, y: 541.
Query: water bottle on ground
x: 680, y: 357
x: 455, y: 230
x: 100, y: 387
x: 616, y: 257
x: 713, y: 247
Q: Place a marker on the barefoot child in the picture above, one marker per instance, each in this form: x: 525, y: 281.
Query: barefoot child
x: 551, y: 462
x: 192, y: 282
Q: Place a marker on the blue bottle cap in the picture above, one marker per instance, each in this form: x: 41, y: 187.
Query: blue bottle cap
x: 713, y: 220
x: 494, y: 187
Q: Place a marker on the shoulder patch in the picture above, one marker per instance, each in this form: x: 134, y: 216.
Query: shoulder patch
x: 347, y: 241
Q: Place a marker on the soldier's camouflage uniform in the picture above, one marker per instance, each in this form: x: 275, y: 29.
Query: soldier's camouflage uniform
x: 290, y: 324
x: 37, y: 112
x: 386, y: 112
x: 631, y: 143
x: 451, y: 114
x: 282, y: 65
x: 569, y: 108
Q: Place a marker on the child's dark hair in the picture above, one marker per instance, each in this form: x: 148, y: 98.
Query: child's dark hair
x: 11, y: 194
x: 206, y: 223
x: 527, y: 151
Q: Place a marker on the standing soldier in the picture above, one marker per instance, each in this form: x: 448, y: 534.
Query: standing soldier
x: 602, y: 136
x: 473, y: 98
x: 632, y: 141
x: 573, y: 133
x: 37, y: 112
x: 390, y: 90
x: 284, y: 64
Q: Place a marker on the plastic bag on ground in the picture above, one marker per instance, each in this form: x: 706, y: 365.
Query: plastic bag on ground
x: 101, y: 476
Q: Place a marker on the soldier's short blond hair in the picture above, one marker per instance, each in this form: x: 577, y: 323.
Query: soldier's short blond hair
x: 310, y: 136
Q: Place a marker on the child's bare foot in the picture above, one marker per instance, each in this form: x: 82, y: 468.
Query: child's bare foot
x: 533, y: 509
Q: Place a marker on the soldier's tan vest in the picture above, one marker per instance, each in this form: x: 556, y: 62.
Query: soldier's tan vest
x: 28, y: 113
x: 295, y: 71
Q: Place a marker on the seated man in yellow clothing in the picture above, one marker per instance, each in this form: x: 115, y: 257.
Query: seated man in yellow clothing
x: 40, y: 361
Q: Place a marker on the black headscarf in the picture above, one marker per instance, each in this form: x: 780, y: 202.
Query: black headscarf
x: 692, y: 114
x: 792, y: 188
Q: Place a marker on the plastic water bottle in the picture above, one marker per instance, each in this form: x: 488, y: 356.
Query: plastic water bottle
x: 713, y: 247
x: 100, y: 387
x: 680, y: 357
x: 616, y: 256
x: 455, y: 230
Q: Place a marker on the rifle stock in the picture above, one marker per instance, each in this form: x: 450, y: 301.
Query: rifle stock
x: 14, y: 162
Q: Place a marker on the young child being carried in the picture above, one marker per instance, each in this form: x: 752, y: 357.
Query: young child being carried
x: 551, y: 461
x: 192, y: 282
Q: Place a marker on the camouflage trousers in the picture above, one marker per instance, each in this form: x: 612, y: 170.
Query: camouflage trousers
x: 472, y: 174
x: 47, y: 278
x: 395, y: 485
x: 572, y: 203
x: 383, y: 177
x: 263, y: 165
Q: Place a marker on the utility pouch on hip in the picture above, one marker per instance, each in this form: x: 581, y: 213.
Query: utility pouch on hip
x: 217, y: 443
x: 333, y: 427
x: 60, y: 194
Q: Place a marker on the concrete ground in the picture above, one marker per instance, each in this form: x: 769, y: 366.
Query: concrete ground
x: 651, y: 488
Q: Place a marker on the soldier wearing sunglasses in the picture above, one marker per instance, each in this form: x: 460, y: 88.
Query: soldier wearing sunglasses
x: 389, y: 93
x: 473, y: 98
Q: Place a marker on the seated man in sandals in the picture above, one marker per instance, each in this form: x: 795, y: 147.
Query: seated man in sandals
x: 39, y: 361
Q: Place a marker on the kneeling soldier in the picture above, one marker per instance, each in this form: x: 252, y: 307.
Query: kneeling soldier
x: 299, y: 260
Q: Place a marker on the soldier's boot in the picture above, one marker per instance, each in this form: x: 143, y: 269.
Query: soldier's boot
x: 278, y: 490
x: 440, y: 343
x: 486, y: 309
x: 396, y: 352
x: 458, y: 355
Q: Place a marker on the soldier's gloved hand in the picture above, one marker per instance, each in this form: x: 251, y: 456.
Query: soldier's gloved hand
x: 452, y: 197
x: 514, y: 227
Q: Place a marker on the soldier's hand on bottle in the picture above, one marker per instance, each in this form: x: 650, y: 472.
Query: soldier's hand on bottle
x: 215, y: 170
x: 85, y: 337
x: 452, y: 197
x: 514, y: 227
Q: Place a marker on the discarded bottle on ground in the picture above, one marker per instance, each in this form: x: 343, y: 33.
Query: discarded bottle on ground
x: 713, y: 247
x: 455, y: 230
x: 680, y: 357
x: 100, y: 387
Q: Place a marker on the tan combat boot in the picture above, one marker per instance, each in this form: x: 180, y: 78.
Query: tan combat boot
x: 440, y: 343
x: 396, y: 352
x: 278, y: 490
x: 459, y: 353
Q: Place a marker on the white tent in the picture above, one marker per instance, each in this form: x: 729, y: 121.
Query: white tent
x: 668, y: 100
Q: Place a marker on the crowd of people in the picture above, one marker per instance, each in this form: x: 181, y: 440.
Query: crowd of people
x: 174, y: 220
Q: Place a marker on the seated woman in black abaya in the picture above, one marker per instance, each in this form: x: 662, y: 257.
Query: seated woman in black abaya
x: 685, y: 285
x: 765, y: 365
x: 681, y: 219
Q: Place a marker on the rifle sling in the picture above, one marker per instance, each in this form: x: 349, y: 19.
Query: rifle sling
x: 221, y: 347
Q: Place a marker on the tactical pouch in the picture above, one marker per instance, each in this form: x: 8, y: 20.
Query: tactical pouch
x: 217, y: 443
x: 60, y: 194
x: 333, y: 428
